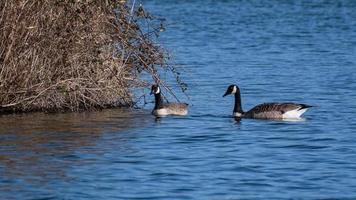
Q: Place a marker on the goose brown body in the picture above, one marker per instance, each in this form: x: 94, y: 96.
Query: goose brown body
x: 266, y: 110
x: 171, y: 109
x: 275, y: 110
x: 162, y: 109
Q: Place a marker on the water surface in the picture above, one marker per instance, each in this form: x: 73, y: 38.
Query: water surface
x: 302, y: 51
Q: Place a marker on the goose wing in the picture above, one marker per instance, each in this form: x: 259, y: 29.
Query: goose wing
x: 274, y: 110
x: 177, y: 108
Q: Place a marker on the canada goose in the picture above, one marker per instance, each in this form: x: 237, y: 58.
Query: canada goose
x: 163, y: 109
x: 266, y: 110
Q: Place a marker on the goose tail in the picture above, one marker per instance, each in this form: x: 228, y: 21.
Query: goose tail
x: 296, y: 113
x: 304, y: 106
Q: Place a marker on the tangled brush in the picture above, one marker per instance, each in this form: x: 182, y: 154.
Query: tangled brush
x: 75, y: 54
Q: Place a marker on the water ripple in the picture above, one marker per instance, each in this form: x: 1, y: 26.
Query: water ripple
x: 276, y: 51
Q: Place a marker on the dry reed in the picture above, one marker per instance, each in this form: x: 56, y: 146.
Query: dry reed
x: 75, y: 54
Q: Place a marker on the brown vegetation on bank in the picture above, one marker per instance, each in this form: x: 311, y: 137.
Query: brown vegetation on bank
x: 74, y: 54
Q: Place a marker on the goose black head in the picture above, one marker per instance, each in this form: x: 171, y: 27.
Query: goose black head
x: 155, y: 89
x: 232, y: 89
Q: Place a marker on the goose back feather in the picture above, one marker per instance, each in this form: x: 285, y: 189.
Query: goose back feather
x: 171, y: 109
x: 277, y: 111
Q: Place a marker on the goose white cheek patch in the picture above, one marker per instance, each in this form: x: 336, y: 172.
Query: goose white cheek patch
x: 158, y: 90
x: 234, y: 90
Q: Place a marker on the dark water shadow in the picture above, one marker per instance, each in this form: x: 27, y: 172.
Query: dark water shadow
x: 39, y: 147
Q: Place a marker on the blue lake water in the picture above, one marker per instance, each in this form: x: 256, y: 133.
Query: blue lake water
x: 301, y: 51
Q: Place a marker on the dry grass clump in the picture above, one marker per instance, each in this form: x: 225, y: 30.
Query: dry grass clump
x: 74, y: 54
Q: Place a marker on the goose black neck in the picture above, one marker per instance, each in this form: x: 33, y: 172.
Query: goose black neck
x: 158, y: 101
x: 237, y: 107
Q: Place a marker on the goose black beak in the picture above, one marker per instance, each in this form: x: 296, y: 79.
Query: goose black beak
x: 226, y: 93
